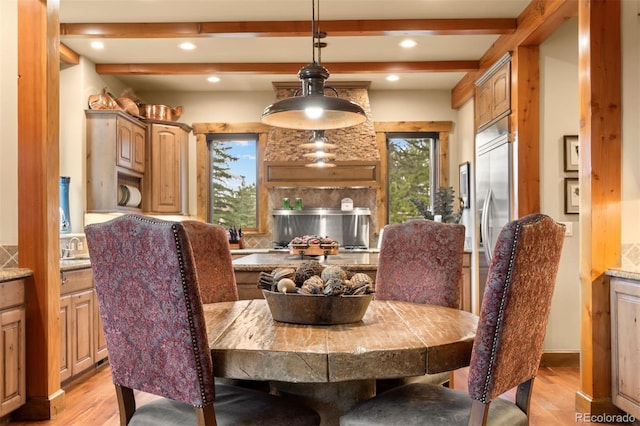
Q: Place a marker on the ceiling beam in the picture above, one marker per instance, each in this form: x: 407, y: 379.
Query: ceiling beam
x: 283, y: 68
x: 540, y: 19
x: 68, y: 56
x: 374, y: 27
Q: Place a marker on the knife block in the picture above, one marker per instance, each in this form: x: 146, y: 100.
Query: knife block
x: 237, y: 245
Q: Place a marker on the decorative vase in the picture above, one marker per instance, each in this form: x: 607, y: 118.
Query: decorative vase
x: 65, y: 218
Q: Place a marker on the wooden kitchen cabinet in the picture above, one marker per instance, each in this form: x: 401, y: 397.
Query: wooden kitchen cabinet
x: 166, y: 167
x: 130, y: 143
x: 625, y: 345
x: 82, y: 342
x: 100, y: 344
x: 116, y: 149
x: 465, y: 295
x: 12, y: 346
x: 493, y: 93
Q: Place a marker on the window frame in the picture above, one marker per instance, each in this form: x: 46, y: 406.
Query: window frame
x: 203, y: 165
x: 233, y: 137
x: 442, y: 128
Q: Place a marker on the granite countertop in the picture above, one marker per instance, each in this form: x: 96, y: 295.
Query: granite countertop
x: 10, y: 274
x: 625, y: 272
x: 270, y: 261
x: 74, y: 264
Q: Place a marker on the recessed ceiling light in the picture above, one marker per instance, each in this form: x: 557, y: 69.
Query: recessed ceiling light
x: 97, y: 45
x: 187, y: 46
x: 393, y: 77
x: 213, y: 79
x: 408, y: 43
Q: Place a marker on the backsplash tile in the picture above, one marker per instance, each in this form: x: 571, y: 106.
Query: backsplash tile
x: 630, y: 256
x: 8, y: 256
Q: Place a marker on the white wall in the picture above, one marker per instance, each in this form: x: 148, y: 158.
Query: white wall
x: 77, y: 83
x: 8, y: 122
x: 630, y: 122
x: 466, y: 152
x: 559, y: 116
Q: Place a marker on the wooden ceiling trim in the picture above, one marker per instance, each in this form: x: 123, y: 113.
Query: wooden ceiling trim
x: 374, y: 27
x: 540, y: 19
x: 282, y: 67
x: 68, y: 56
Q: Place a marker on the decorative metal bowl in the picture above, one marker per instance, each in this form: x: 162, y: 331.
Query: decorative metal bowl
x: 313, y: 309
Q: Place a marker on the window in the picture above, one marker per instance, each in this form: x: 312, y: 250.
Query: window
x: 412, y: 160
x: 233, y: 189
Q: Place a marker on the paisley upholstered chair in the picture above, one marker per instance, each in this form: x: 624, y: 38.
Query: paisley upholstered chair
x: 216, y: 279
x: 508, y: 344
x: 210, y: 247
x: 420, y: 262
x: 148, y: 292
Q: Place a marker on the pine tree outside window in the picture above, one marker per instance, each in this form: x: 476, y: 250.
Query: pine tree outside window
x: 233, y: 188
x: 412, y: 160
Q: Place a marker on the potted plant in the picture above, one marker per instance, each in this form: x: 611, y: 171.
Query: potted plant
x: 442, y: 205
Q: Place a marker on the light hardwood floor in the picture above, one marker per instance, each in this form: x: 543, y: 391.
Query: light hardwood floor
x: 92, y: 402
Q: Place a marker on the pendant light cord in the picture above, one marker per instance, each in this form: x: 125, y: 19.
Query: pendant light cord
x: 316, y: 35
x: 313, y: 30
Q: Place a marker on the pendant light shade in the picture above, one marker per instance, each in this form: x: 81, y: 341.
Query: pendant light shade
x: 313, y: 110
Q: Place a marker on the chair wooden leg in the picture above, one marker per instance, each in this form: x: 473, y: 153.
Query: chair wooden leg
x: 126, y: 404
x: 523, y: 395
x: 450, y: 384
x: 206, y: 415
x: 479, y: 413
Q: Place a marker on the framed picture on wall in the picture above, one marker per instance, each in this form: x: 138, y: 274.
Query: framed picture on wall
x: 465, y: 202
x: 571, y: 153
x: 571, y: 196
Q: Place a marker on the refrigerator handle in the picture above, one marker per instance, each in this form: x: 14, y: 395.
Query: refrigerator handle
x: 484, y: 226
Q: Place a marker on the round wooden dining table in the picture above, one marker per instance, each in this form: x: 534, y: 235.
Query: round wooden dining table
x: 333, y: 367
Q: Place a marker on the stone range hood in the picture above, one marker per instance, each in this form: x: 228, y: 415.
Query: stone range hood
x: 356, y: 143
x: 356, y: 174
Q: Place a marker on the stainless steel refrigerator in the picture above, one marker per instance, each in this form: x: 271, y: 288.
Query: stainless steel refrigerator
x: 493, y: 190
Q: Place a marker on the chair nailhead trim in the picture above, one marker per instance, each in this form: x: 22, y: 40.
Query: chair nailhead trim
x: 500, y: 317
x: 188, y: 304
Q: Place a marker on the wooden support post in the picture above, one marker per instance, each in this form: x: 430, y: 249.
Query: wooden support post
x: 38, y: 201
x: 600, y: 181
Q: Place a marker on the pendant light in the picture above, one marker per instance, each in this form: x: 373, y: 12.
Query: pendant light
x: 319, y: 157
x: 313, y: 110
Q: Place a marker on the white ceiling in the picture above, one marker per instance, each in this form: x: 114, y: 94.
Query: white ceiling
x: 241, y: 49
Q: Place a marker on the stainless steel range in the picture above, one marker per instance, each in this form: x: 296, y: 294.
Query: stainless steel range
x: 350, y: 228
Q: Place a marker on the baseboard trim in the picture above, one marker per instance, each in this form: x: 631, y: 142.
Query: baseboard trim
x: 41, y: 408
x: 560, y: 359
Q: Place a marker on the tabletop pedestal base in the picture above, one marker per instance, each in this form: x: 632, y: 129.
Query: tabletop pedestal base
x: 331, y: 400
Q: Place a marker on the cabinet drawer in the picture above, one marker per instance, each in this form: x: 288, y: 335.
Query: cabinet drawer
x: 11, y: 293
x: 71, y: 281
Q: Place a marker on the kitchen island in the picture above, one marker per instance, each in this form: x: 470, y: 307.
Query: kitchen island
x: 248, y: 268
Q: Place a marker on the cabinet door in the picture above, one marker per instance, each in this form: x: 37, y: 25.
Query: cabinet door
x: 65, y: 338
x: 124, y: 143
x: 625, y: 345
x: 167, y: 145
x: 484, y: 110
x: 138, y: 137
x: 82, y: 331
x: 465, y: 294
x: 130, y: 143
x: 100, y: 344
x: 12, y: 360
x: 501, y: 90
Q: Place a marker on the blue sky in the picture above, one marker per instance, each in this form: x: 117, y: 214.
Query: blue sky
x: 245, y: 151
